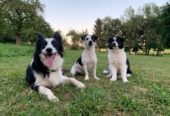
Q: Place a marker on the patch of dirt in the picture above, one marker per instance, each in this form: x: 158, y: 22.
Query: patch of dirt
x: 138, y: 90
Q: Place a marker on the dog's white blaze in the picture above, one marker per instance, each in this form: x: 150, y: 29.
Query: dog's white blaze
x: 49, y: 45
x: 115, y: 41
x: 89, y: 37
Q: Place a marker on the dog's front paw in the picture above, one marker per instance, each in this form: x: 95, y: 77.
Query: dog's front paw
x: 53, y: 98
x: 109, y: 75
x: 86, y: 78
x: 97, y: 78
x: 125, y: 81
x: 81, y: 85
x: 129, y: 75
x: 113, y: 79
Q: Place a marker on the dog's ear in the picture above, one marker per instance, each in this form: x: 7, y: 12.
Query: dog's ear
x: 110, y: 39
x: 58, y: 37
x: 83, y: 37
x: 122, y: 38
x: 121, y: 42
x: 95, y: 37
x: 39, y: 36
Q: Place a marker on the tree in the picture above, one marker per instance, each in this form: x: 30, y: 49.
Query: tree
x: 165, y: 25
x: 75, y: 37
x: 37, y: 25
x: 129, y: 13
x: 5, y: 29
x: 21, y: 20
x: 151, y: 32
x: 129, y: 29
x: 142, y: 30
x: 19, y: 12
x: 98, y: 32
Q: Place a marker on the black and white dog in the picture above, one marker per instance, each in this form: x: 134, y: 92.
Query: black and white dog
x: 118, y: 61
x: 88, y: 59
x: 44, y: 72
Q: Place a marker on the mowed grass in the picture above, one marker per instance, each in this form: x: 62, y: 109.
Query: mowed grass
x: 147, y: 93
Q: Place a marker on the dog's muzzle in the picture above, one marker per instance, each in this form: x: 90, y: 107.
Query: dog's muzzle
x: 49, y: 57
x: 90, y: 43
x: 49, y: 51
x: 113, y: 44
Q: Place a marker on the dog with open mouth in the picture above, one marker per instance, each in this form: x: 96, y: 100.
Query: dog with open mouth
x: 45, y: 71
x: 88, y: 60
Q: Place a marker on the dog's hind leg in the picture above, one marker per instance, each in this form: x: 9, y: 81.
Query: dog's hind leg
x: 129, y: 72
x: 73, y: 71
x: 109, y: 75
x: 66, y: 80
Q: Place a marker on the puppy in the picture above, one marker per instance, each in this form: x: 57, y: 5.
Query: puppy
x: 88, y: 59
x: 44, y: 72
x: 118, y: 61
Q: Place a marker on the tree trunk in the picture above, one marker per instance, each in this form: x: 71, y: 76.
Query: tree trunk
x: 19, y: 26
x: 158, y: 52
x: 18, y: 39
x: 146, y: 50
x: 99, y: 49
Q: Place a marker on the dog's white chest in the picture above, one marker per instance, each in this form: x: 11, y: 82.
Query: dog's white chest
x: 90, y: 59
x: 51, y: 81
x: 117, y: 58
x: 54, y: 79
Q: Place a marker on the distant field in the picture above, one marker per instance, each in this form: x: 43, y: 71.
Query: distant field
x: 146, y: 94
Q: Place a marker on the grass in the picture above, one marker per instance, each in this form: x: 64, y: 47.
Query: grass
x: 147, y: 93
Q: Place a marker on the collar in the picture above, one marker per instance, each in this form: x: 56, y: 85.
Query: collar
x: 53, y: 70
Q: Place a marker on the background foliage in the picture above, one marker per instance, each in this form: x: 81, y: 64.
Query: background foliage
x: 145, y: 29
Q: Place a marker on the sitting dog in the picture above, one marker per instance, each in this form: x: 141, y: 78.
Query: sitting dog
x: 118, y: 61
x: 88, y: 59
x: 44, y: 72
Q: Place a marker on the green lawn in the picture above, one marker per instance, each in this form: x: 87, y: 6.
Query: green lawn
x: 147, y: 93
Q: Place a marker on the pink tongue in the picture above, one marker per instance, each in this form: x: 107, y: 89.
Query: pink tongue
x: 49, y: 61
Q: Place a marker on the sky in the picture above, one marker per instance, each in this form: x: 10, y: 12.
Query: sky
x: 81, y: 14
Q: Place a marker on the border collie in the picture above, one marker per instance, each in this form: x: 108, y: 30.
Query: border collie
x: 118, y: 61
x: 88, y: 59
x: 44, y: 72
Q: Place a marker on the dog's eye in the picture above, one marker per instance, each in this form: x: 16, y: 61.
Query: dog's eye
x: 87, y: 38
x: 44, y: 43
x: 54, y: 43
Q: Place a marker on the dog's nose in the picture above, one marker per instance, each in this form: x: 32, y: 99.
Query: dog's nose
x: 90, y: 43
x: 114, y: 44
x: 49, y: 50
